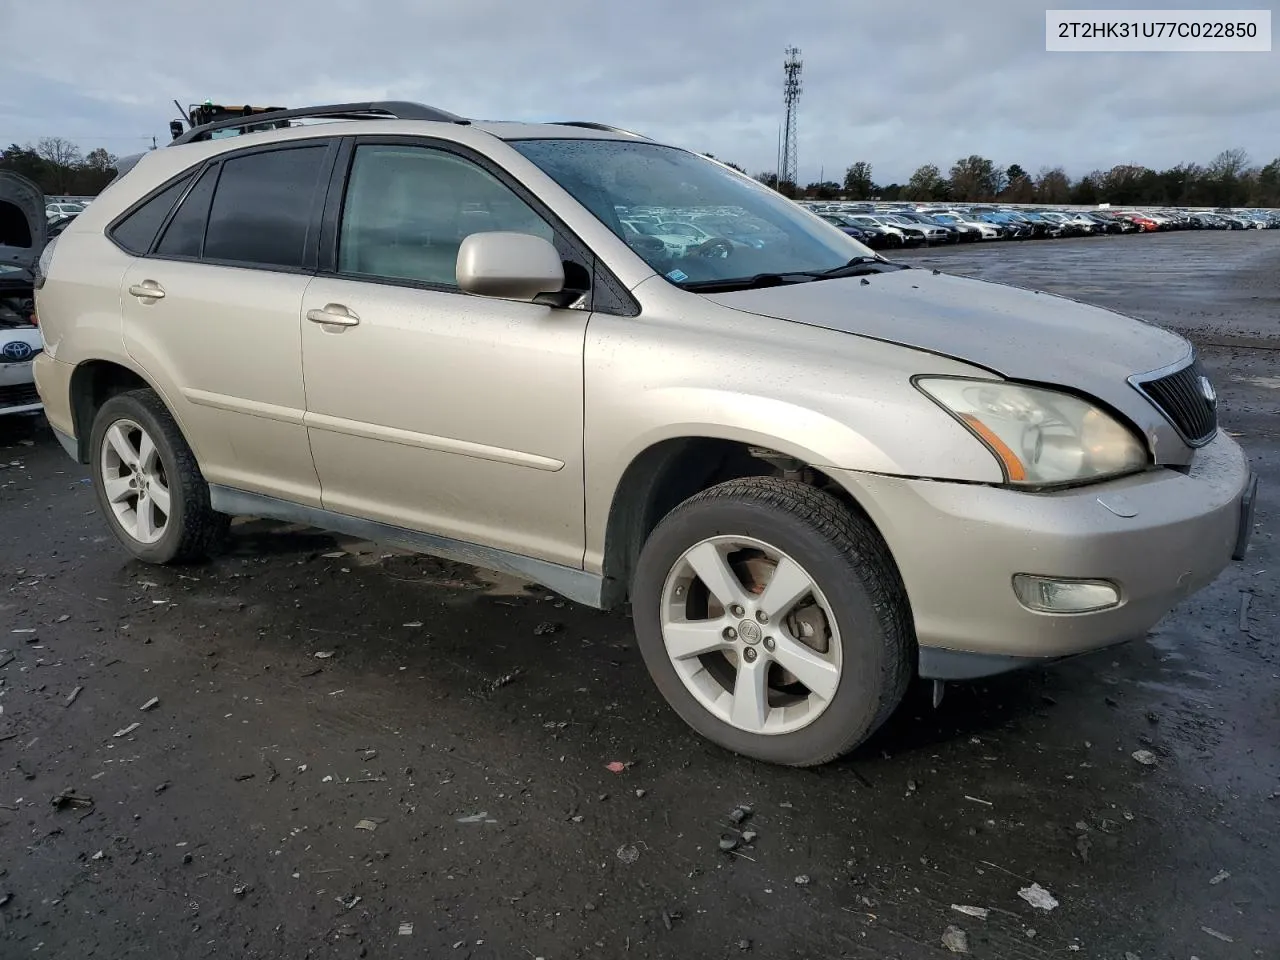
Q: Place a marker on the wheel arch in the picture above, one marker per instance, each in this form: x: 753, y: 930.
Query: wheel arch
x: 93, y: 383
x: 670, y: 471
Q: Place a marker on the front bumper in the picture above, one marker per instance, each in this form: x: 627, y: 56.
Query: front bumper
x: 958, y: 547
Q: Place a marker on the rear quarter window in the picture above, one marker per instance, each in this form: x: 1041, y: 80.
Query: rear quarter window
x: 137, y: 230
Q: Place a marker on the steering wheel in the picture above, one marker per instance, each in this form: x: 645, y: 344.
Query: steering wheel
x: 717, y: 247
x: 648, y: 247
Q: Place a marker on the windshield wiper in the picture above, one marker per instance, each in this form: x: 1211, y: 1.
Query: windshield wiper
x: 755, y: 282
x: 859, y: 265
x: 855, y: 267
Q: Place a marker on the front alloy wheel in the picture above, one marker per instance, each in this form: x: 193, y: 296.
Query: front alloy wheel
x: 772, y: 618
x: 750, y: 635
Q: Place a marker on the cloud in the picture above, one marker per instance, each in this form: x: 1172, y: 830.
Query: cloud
x: 897, y: 84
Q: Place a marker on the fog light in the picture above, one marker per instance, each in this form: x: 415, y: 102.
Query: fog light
x: 1047, y: 595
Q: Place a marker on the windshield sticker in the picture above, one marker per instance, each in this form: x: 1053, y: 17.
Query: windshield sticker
x: 677, y: 276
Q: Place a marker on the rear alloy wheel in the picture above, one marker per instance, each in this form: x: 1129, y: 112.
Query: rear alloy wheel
x: 148, y: 483
x: 773, y: 620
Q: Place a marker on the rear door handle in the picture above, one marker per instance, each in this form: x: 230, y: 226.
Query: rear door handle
x: 334, y: 314
x: 147, y: 290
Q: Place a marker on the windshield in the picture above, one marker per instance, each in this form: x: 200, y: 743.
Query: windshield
x: 751, y: 229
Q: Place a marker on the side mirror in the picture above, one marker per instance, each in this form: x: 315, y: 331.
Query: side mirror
x: 513, y: 266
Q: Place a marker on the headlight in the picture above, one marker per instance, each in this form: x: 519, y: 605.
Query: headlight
x: 1040, y: 437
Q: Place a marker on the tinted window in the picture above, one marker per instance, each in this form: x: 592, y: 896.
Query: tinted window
x: 408, y: 209
x: 136, y: 231
x: 185, y: 232
x: 262, y: 207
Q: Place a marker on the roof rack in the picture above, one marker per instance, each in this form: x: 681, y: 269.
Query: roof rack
x: 384, y: 109
x: 592, y: 125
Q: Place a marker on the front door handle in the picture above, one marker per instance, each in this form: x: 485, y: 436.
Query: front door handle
x: 147, y: 291
x: 333, y: 314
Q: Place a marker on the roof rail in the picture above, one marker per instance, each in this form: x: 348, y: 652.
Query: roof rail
x: 592, y: 125
x: 386, y: 109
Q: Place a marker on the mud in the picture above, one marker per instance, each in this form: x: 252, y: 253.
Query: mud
x: 438, y: 786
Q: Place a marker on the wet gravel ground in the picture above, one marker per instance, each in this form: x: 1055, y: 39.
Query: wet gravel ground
x: 356, y: 752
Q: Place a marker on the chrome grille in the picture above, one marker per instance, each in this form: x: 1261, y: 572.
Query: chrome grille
x: 1187, y: 399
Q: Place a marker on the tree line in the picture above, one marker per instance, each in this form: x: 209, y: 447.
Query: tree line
x: 59, y: 168
x: 1229, y: 180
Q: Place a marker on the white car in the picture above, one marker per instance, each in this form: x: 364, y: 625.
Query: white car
x: 19, y: 344
x: 54, y: 210
x: 867, y: 220
x: 987, y: 230
x: 21, y: 242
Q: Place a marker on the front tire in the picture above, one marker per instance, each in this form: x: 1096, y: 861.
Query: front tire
x: 148, y: 483
x: 773, y: 620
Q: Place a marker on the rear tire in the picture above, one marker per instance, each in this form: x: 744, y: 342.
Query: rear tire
x: 148, y: 484
x: 832, y: 669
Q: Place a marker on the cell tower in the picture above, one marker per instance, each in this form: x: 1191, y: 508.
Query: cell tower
x: 791, y: 96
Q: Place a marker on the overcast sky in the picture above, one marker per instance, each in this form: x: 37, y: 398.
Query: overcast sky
x: 896, y: 83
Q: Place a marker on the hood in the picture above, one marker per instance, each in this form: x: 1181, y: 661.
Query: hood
x: 22, y: 221
x: 1019, y: 334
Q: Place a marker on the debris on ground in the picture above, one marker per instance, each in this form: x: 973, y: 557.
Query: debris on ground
x: 740, y: 813
x: 1219, y: 877
x: 749, y: 836
x: 71, y: 697
x: 744, y: 945
x: 406, y: 929
x: 242, y: 777
x: 150, y: 704
x: 955, y: 940
x: 1145, y: 757
x: 349, y: 902
x: 126, y: 731
x: 240, y: 889
x: 1038, y: 897
x: 546, y: 628
x: 323, y: 654
x: 802, y: 880
x: 1218, y: 934
x: 728, y: 842
x: 370, y: 823
x: 504, y: 680
x: 980, y: 912
x: 481, y: 817
x: 628, y: 853
x: 100, y: 855
x: 616, y: 766
x: 668, y: 919
x: 161, y: 787
x: 640, y: 793
x: 69, y: 798
x: 1083, y: 846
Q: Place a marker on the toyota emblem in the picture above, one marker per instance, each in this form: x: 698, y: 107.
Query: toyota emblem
x: 1206, y: 390
x: 15, y: 351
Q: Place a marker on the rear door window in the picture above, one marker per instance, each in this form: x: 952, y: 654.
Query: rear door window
x: 184, y: 235
x: 262, y: 207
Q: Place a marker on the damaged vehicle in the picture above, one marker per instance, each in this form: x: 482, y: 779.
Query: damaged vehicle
x: 23, y: 227
x: 812, y: 473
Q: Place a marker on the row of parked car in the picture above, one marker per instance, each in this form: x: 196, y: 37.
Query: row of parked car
x: 911, y: 225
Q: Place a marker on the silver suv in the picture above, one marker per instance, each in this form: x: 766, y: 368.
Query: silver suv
x: 813, y: 473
